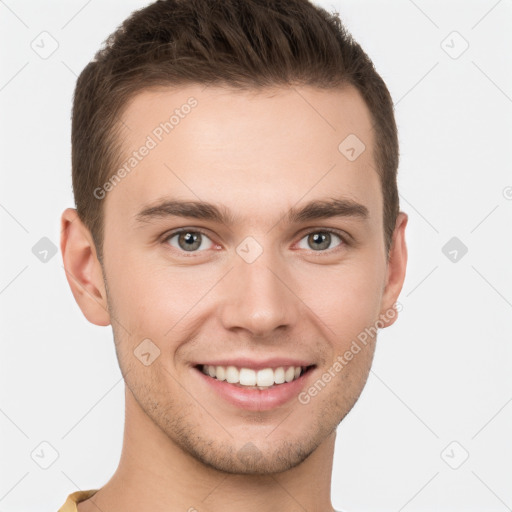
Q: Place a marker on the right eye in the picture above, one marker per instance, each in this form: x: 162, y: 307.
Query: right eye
x: 188, y: 240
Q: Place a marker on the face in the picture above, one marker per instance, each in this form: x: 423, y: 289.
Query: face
x: 285, y: 267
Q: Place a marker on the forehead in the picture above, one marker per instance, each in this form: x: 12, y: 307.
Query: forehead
x: 254, y: 151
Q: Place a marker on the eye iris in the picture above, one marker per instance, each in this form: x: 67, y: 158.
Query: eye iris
x: 321, y: 239
x: 190, y: 239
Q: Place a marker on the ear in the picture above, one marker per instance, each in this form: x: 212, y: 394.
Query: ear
x: 396, y: 267
x: 83, y: 269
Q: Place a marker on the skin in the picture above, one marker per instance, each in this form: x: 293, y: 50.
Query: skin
x: 259, y: 154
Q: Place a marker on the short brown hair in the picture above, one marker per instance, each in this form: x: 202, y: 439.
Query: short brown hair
x: 244, y: 44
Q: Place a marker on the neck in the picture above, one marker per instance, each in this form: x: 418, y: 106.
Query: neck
x: 156, y: 474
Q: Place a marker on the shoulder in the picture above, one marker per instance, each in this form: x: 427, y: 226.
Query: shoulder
x: 76, y: 497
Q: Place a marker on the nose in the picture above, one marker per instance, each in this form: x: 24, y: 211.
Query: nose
x: 259, y: 298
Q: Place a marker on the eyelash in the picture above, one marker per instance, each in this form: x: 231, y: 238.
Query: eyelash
x: 193, y: 254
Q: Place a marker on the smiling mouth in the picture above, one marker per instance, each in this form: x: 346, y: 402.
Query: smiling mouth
x: 266, y: 378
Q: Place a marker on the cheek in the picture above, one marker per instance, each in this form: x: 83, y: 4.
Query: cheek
x: 153, y: 299
x: 347, y: 300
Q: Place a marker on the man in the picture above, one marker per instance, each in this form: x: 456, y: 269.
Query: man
x: 237, y: 223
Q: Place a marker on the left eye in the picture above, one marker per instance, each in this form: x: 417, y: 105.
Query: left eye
x: 320, y: 240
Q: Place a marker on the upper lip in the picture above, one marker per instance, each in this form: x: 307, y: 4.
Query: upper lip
x: 246, y: 362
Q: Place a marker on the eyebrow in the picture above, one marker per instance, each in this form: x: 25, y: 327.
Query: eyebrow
x: 314, y: 210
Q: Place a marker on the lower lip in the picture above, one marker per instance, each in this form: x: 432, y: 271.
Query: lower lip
x: 257, y: 399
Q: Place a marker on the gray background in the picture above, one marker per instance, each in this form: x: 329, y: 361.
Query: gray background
x: 440, y: 388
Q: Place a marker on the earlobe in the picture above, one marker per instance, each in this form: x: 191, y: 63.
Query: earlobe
x: 83, y: 270
x: 397, y: 264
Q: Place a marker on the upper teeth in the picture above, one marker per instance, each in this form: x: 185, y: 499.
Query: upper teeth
x: 248, y: 377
